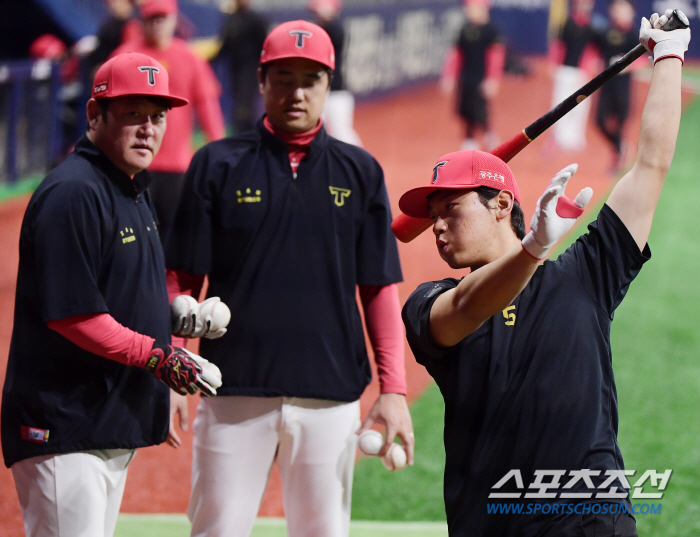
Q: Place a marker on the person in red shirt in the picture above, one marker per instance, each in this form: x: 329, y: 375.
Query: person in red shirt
x: 194, y: 79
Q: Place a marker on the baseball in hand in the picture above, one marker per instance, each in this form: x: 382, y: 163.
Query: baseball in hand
x: 395, y: 458
x: 218, y: 312
x: 370, y: 442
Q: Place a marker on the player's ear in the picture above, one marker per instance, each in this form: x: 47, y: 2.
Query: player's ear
x: 504, y: 203
x: 93, y: 113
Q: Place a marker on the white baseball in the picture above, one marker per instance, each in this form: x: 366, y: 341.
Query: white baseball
x: 370, y: 442
x: 218, y: 312
x: 395, y: 458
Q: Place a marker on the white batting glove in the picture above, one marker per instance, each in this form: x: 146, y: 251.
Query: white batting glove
x: 211, y: 374
x: 184, y: 311
x: 660, y: 43
x: 191, y: 320
x: 555, y: 214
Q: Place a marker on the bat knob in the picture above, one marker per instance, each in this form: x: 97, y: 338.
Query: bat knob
x: 676, y: 21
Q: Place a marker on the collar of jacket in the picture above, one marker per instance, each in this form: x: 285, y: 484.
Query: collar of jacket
x: 132, y: 187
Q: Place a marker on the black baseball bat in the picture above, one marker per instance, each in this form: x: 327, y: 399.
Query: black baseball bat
x: 406, y: 228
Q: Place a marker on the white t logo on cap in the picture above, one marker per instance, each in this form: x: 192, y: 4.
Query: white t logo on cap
x: 151, y: 73
x: 300, y: 35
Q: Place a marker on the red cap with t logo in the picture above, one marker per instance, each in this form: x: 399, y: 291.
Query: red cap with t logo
x: 458, y: 171
x: 298, y: 39
x: 132, y: 73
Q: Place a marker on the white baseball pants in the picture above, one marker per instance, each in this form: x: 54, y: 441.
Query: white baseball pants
x: 76, y: 494
x: 570, y: 130
x: 339, y: 116
x: 236, y: 440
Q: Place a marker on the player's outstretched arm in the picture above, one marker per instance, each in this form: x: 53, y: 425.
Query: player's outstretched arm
x: 483, y: 293
x: 101, y: 334
x: 636, y: 195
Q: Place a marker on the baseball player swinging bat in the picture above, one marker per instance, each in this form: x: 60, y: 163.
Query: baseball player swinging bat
x: 406, y: 228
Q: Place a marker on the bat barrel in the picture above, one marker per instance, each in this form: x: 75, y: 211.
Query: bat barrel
x: 541, y: 124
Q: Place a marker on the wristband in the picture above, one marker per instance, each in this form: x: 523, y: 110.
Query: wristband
x: 534, y: 248
x: 669, y: 49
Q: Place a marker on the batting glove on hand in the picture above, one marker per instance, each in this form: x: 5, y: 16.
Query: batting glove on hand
x: 555, y: 214
x: 191, y: 319
x: 660, y: 43
x: 182, y: 370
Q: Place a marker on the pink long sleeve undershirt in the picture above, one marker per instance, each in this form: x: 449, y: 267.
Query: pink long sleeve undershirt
x: 101, y: 334
x: 385, y: 328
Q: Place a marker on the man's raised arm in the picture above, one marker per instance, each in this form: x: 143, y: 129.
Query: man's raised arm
x: 636, y: 195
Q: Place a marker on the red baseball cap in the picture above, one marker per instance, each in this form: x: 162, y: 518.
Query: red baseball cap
x: 457, y: 171
x: 132, y: 73
x: 47, y: 46
x: 298, y: 39
x: 151, y: 8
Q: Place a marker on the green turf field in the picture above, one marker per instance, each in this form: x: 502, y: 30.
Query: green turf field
x: 178, y: 526
x: 655, y: 343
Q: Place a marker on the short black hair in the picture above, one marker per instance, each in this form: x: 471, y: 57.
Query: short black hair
x: 265, y: 66
x: 517, y: 218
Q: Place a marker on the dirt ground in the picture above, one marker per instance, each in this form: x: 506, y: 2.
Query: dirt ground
x: 406, y: 133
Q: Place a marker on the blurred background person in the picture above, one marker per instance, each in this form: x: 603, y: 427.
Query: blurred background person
x: 242, y: 35
x: 120, y: 26
x: 573, y: 58
x: 338, y: 114
x: 474, y: 67
x: 50, y: 49
x: 620, y: 36
x: 190, y: 77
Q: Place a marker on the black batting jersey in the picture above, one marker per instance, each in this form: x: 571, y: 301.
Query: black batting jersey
x: 533, y: 388
x: 88, y: 244
x: 614, y: 43
x: 285, y: 253
x: 473, y: 42
x: 575, y: 39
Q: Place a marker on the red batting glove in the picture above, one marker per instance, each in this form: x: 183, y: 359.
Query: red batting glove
x: 182, y: 370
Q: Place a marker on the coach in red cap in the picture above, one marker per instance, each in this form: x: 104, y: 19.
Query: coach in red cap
x: 91, y: 336
x: 287, y: 222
